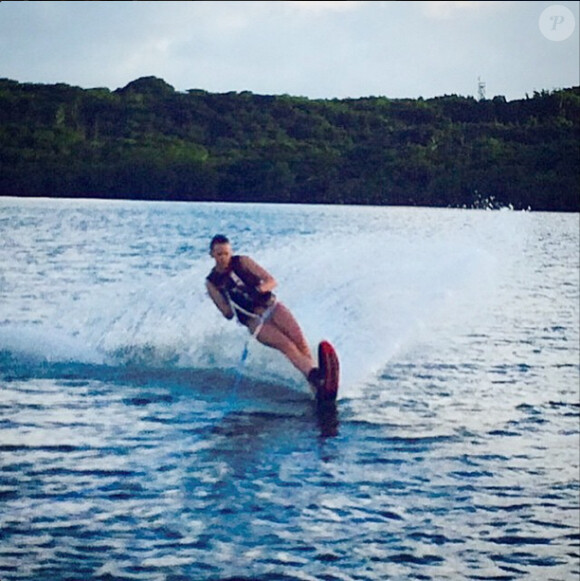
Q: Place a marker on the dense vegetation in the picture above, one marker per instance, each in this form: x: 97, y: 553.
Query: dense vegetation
x: 147, y: 141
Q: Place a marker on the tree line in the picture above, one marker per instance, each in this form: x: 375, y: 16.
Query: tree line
x: 149, y: 141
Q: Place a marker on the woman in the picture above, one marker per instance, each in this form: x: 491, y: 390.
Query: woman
x: 242, y: 288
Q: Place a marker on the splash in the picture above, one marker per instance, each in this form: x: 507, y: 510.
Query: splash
x: 374, y: 290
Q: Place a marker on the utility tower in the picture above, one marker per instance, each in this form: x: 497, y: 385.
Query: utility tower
x: 480, y: 89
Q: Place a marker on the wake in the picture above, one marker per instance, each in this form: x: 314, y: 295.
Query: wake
x: 373, y: 295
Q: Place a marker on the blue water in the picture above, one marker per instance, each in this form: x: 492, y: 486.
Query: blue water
x: 127, y: 454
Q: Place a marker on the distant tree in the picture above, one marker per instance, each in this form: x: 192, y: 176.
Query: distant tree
x: 146, y: 140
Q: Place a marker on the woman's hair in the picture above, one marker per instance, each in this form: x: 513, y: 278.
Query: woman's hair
x: 218, y: 239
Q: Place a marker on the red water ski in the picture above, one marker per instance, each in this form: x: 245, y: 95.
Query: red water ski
x: 330, y: 368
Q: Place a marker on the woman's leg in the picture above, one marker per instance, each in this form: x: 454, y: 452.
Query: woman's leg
x: 272, y: 336
x: 283, y: 319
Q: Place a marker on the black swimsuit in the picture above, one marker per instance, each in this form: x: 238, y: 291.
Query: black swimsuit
x: 239, y: 287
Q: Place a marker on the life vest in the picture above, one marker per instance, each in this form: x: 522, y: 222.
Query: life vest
x: 239, y: 287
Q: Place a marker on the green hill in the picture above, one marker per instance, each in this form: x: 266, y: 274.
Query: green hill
x: 148, y: 141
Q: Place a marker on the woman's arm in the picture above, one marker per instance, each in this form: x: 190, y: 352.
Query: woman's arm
x: 219, y: 300
x: 267, y: 281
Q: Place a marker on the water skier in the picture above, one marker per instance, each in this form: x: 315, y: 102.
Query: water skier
x: 242, y: 288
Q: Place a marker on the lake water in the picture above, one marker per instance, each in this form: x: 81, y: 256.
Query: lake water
x: 128, y: 452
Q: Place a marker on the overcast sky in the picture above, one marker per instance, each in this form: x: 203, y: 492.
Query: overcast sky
x: 310, y: 49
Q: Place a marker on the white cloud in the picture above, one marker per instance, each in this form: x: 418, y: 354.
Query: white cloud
x: 314, y: 49
x: 319, y: 7
x: 442, y: 10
